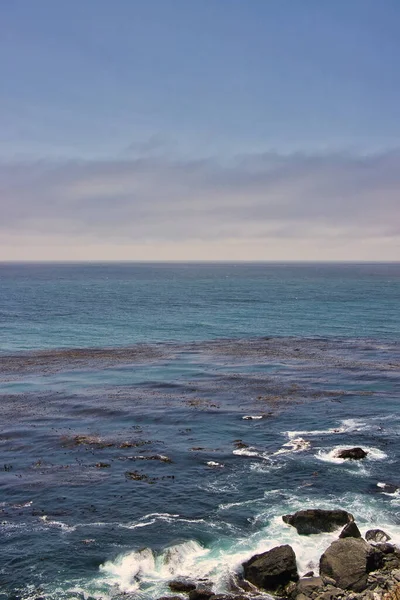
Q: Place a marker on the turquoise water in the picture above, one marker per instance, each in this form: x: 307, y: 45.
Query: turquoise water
x: 153, y: 370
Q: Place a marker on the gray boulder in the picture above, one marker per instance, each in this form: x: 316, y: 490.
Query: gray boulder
x: 377, y: 536
x: 348, y: 562
x: 350, y: 530
x: 272, y: 570
x: 316, y: 520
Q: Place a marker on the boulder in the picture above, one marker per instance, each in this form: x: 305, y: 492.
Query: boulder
x: 308, y: 586
x: 200, y: 594
x: 272, y: 570
x: 181, y: 585
x: 348, y: 562
x: 350, y: 530
x: 316, y: 520
x: 377, y: 536
x: 352, y: 453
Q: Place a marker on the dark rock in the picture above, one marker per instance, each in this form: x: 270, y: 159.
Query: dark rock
x: 388, y: 488
x: 350, y: 530
x: 347, y: 562
x: 272, y: 570
x: 227, y: 597
x: 181, y: 585
x: 102, y: 465
x: 309, y: 574
x: 170, y: 598
x: 386, y: 548
x: 316, y: 520
x: 377, y: 536
x: 352, y: 453
x: 374, y: 559
x: 200, y: 594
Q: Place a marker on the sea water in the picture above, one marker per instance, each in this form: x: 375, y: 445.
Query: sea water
x: 157, y: 420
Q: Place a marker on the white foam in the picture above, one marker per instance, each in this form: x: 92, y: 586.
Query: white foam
x: 251, y: 451
x: 331, y: 455
x: 212, y: 463
x: 252, y: 417
x: 294, y: 445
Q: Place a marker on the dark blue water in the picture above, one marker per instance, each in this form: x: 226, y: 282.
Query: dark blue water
x: 127, y: 454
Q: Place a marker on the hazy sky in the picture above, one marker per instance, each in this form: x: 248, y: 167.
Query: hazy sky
x: 200, y: 129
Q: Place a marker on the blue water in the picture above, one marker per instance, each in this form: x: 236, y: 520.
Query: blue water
x: 150, y: 369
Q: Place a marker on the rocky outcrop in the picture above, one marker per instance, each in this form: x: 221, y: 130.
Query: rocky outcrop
x: 272, y: 570
x: 181, y: 585
x: 348, y: 562
x: 350, y: 530
x: 377, y: 536
x: 352, y: 453
x: 316, y: 520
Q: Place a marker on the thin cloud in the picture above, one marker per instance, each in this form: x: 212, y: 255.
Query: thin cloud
x: 257, y: 196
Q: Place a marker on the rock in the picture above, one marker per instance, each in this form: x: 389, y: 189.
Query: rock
x: 352, y: 453
x: 396, y: 574
x: 170, y: 598
x: 377, y: 536
x: 348, y: 562
x: 386, y: 548
x: 307, y: 586
x: 181, y: 585
x: 388, y: 488
x: 227, y: 597
x: 272, y: 570
x: 350, y: 530
x: 309, y: 574
x: 101, y: 465
x: 316, y: 520
x: 200, y: 594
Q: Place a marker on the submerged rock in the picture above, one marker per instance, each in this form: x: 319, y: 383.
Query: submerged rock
x: 388, y: 488
x: 316, y: 520
x: 272, y: 570
x: 350, y: 530
x: 377, y: 536
x: 352, y: 453
x: 348, y: 562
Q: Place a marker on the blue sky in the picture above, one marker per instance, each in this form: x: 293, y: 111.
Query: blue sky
x: 229, y: 89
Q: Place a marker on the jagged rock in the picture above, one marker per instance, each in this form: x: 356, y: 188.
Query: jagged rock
x: 316, y: 520
x: 309, y: 574
x: 377, y: 536
x: 350, y: 530
x: 307, y: 586
x: 272, y: 570
x: 181, y: 585
x: 227, y: 597
x: 352, y: 453
x: 200, y: 594
x: 386, y: 548
x: 348, y: 562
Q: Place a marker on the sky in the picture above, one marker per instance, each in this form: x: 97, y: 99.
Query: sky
x: 200, y: 130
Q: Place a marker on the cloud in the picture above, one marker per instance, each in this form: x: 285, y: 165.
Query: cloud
x: 255, y: 198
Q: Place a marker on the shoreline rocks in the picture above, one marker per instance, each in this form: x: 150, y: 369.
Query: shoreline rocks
x: 351, y: 568
x: 272, y: 570
x: 316, y: 520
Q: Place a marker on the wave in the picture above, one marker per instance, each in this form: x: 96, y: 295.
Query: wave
x: 298, y: 444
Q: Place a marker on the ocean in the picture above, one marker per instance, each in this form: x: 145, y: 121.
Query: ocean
x: 157, y: 420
